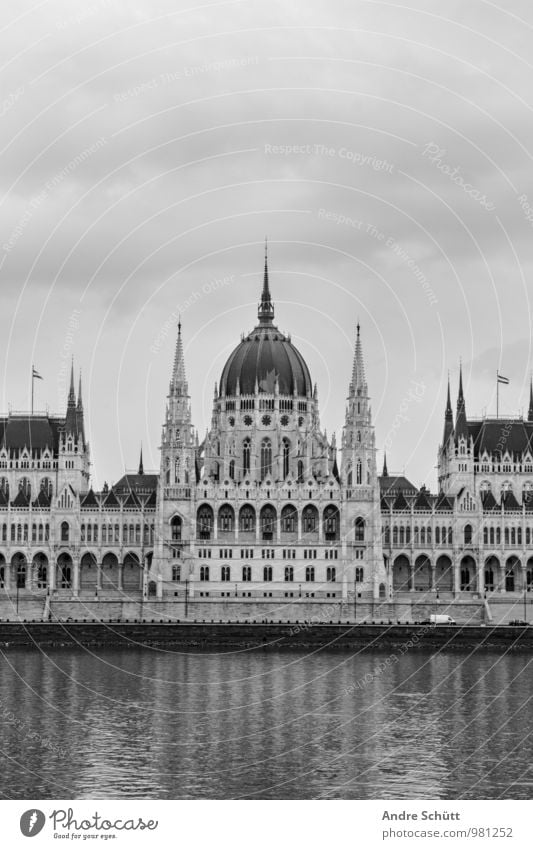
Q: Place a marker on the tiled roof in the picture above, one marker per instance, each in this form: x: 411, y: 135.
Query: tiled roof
x: 400, y: 503
x: 443, y: 502
x: 136, y: 483
x: 392, y: 484
x: 90, y: 500
x: 489, y: 503
x: 112, y: 501
x: 32, y: 432
x: 509, y: 502
x: 501, y: 435
x: 21, y: 499
x: 42, y: 499
x: 422, y: 501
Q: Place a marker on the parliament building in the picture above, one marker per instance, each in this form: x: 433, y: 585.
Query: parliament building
x: 266, y: 507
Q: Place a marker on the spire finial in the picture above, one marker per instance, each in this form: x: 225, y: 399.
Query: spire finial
x: 71, y: 393
x: 179, y: 380
x: 141, y: 466
x: 80, y: 401
x: 358, y: 370
x: 385, y: 469
x: 265, y: 312
x: 530, y: 411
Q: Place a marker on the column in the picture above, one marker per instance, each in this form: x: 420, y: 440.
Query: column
x: 98, y: 576
x: 433, y: 570
x: 76, y: 580
x: 412, y: 576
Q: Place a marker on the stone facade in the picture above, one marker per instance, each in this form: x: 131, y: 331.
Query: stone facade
x: 263, y: 510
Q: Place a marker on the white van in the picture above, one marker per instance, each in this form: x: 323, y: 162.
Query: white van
x: 441, y: 619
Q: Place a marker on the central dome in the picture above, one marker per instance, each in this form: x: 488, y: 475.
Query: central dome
x: 264, y: 357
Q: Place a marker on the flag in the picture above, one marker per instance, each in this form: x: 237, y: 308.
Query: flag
x: 502, y: 379
x: 35, y: 373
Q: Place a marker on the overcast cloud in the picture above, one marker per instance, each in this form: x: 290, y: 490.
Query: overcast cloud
x: 148, y: 148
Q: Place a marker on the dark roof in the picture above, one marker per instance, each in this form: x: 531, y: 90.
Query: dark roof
x: 152, y: 501
x: 42, y: 499
x: 489, y: 502
x: 400, y: 503
x: 3, y: 498
x: 132, y: 501
x: 90, y: 500
x: 501, y: 435
x: 21, y: 499
x: 140, y: 484
x: 37, y: 432
x: 422, y: 501
x: 392, y: 484
x: 112, y: 500
x: 509, y: 501
x: 443, y: 502
x: 264, y: 356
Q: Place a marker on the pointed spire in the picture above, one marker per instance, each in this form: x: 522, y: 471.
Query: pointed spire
x: 530, y: 411
x: 141, y: 467
x: 80, y: 401
x: 265, y: 312
x: 461, y: 424
x: 448, y: 418
x: 179, y: 379
x: 385, y: 472
x: 72, y: 394
x: 71, y: 419
x: 358, y: 371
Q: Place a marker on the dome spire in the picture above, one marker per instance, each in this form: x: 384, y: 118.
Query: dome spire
x: 265, y: 312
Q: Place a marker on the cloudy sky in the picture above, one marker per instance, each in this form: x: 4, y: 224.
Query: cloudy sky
x: 385, y: 149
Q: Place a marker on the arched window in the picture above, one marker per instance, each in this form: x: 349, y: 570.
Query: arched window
x: 247, y: 519
x: 437, y: 535
x: 177, y: 473
x: 225, y: 573
x: 232, y: 470
x: 360, y: 529
x: 331, y: 574
x: 205, y: 522
x: 468, y: 534
x: 359, y: 436
x: 65, y: 532
x: 465, y: 580
x: 226, y: 518
x: 267, y: 573
x: 289, y: 518
x: 289, y: 573
x: 309, y: 520
x: 300, y: 471
x: 204, y: 573
x: 247, y: 573
x: 359, y: 475
x: 268, y: 522
x: 246, y: 454
x: 175, y: 528
x: 286, y: 452
x: 176, y: 573
x: 489, y: 579
x: 310, y: 573
x: 350, y: 478
x: 331, y: 523
x: 266, y: 458
x: 359, y: 574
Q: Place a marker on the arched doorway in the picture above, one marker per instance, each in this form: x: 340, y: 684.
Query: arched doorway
x: 444, y: 574
x: 131, y: 574
x: 468, y: 574
x: 401, y: 574
x: 88, y: 573
x: 64, y: 571
x: 422, y: 573
x: 40, y: 571
x: 512, y: 574
x: 110, y: 572
x: 492, y: 574
x: 19, y: 564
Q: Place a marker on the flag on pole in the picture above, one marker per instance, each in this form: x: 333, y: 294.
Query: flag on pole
x: 36, y: 374
x: 502, y: 379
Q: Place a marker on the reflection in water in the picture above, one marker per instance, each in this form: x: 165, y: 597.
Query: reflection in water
x: 152, y: 723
